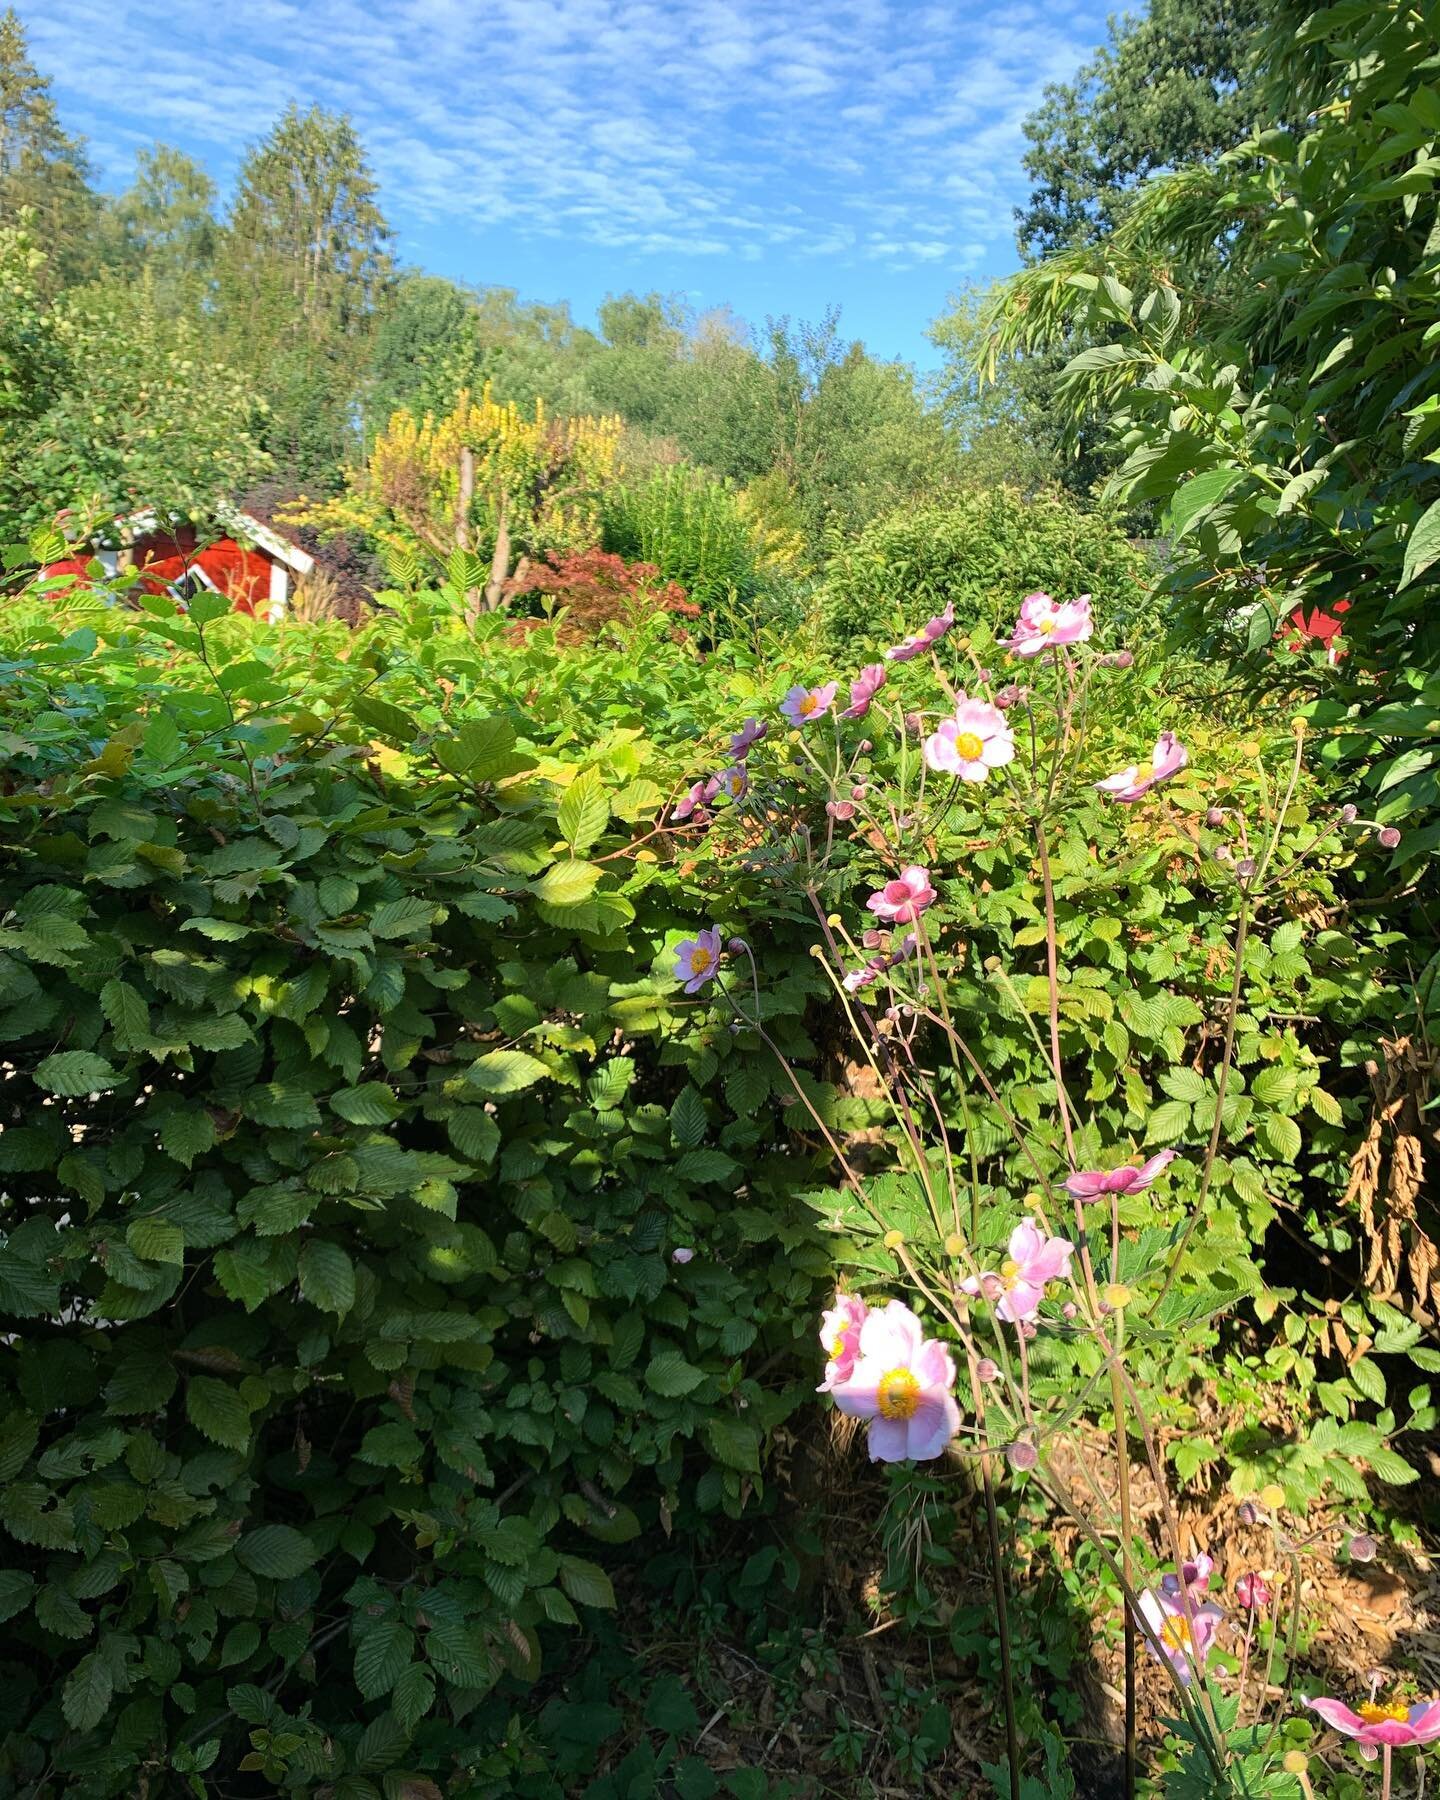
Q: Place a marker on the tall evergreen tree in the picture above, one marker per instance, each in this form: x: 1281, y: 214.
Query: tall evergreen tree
x: 42, y: 169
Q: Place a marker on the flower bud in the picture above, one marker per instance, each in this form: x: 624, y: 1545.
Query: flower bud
x: 892, y: 1240
x: 1349, y: 814
x: 1007, y: 697
x: 1272, y: 1496
x: 1253, y: 1592
x: 1247, y: 1513
x: 987, y: 1369
x: 860, y: 790
x: 1123, y: 659
x: 1069, y: 1310
x: 1117, y: 1296
x: 1250, y: 749
x: 1022, y: 1455
x: 1389, y: 838
x: 1299, y: 725
x: 682, y: 1255
x: 737, y: 946
x: 872, y: 939
x: 914, y: 725
x: 1245, y: 868
x: 983, y: 674
x: 954, y: 1244
x: 1295, y: 1762
x: 1214, y: 816
x: 865, y: 746
x: 840, y: 809
x: 1362, y: 1547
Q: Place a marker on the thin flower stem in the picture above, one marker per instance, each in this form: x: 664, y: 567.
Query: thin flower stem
x: 1002, y: 1616
x: 1053, y: 978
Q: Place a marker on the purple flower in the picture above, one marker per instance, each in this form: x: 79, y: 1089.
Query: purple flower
x: 1090, y: 1184
x: 749, y: 733
x: 1194, y: 1577
x: 803, y: 706
x: 1389, y: 838
x: 682, y: 1254
x: 697, y: 960
x: 732, y: 782
x: 863, y: 689
x: 692, y: 801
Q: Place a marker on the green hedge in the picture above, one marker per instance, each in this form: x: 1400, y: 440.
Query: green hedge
x: 979, y: 550
x: 351, y: 1116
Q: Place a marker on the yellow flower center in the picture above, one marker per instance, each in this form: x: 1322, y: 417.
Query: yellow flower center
x: 969, y: 745
x: 1175, y: 1632
x: 809, y: 704
x: 700, y: 960
x: 1144, y: 771
x: 1009, y: 1273
x: 837, y: 1347
x: 1374, y: 1714
x: 1047, y: 626
x: 899, y: 1394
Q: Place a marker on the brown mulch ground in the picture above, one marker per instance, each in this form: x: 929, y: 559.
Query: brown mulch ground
x: 1356, y: 1619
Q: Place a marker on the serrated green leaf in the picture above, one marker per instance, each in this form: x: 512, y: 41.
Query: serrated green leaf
x: 71, y: 1073
x: 276, y: 1551
x: 327, y: 1276
x: 216, y: 1409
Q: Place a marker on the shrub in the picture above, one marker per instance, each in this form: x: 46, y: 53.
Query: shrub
x: 351, y: 1117
x: 597, y: 589
x: 691, y: 527
x: 977, y: 550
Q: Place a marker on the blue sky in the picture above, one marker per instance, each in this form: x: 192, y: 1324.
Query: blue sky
x: 776, y: 157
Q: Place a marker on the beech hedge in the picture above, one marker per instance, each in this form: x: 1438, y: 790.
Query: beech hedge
x: 351, y: 1116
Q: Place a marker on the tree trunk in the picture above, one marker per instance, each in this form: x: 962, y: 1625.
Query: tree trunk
x: 499, y: 561
x: 462, y: 526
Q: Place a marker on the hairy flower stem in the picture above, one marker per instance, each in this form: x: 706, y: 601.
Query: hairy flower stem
x: 1212, y: 1149
x: 1122, y: 1460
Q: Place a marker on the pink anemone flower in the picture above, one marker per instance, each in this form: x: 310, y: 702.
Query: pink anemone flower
x: 1045, y: 622
x: 840, y: 1337
x: 1167, y: 759
x: 929, y: 634
x: 803, y: 706
x: 901, y: 902
x: 973, y: 743
x: 749, y: 733
x: 1398, y: 1726
x: 694, y: 800
x: 1182, y: 1642
x: 697, y: 960
x: 863, y: 689
x: 1194, y: 1577
x: 901, y: 1383
x: 732, y: 782
x: 1034, y: 1261
x: 1090, y: 1184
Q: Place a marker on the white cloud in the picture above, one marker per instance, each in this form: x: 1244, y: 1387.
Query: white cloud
x: 856, y: 130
